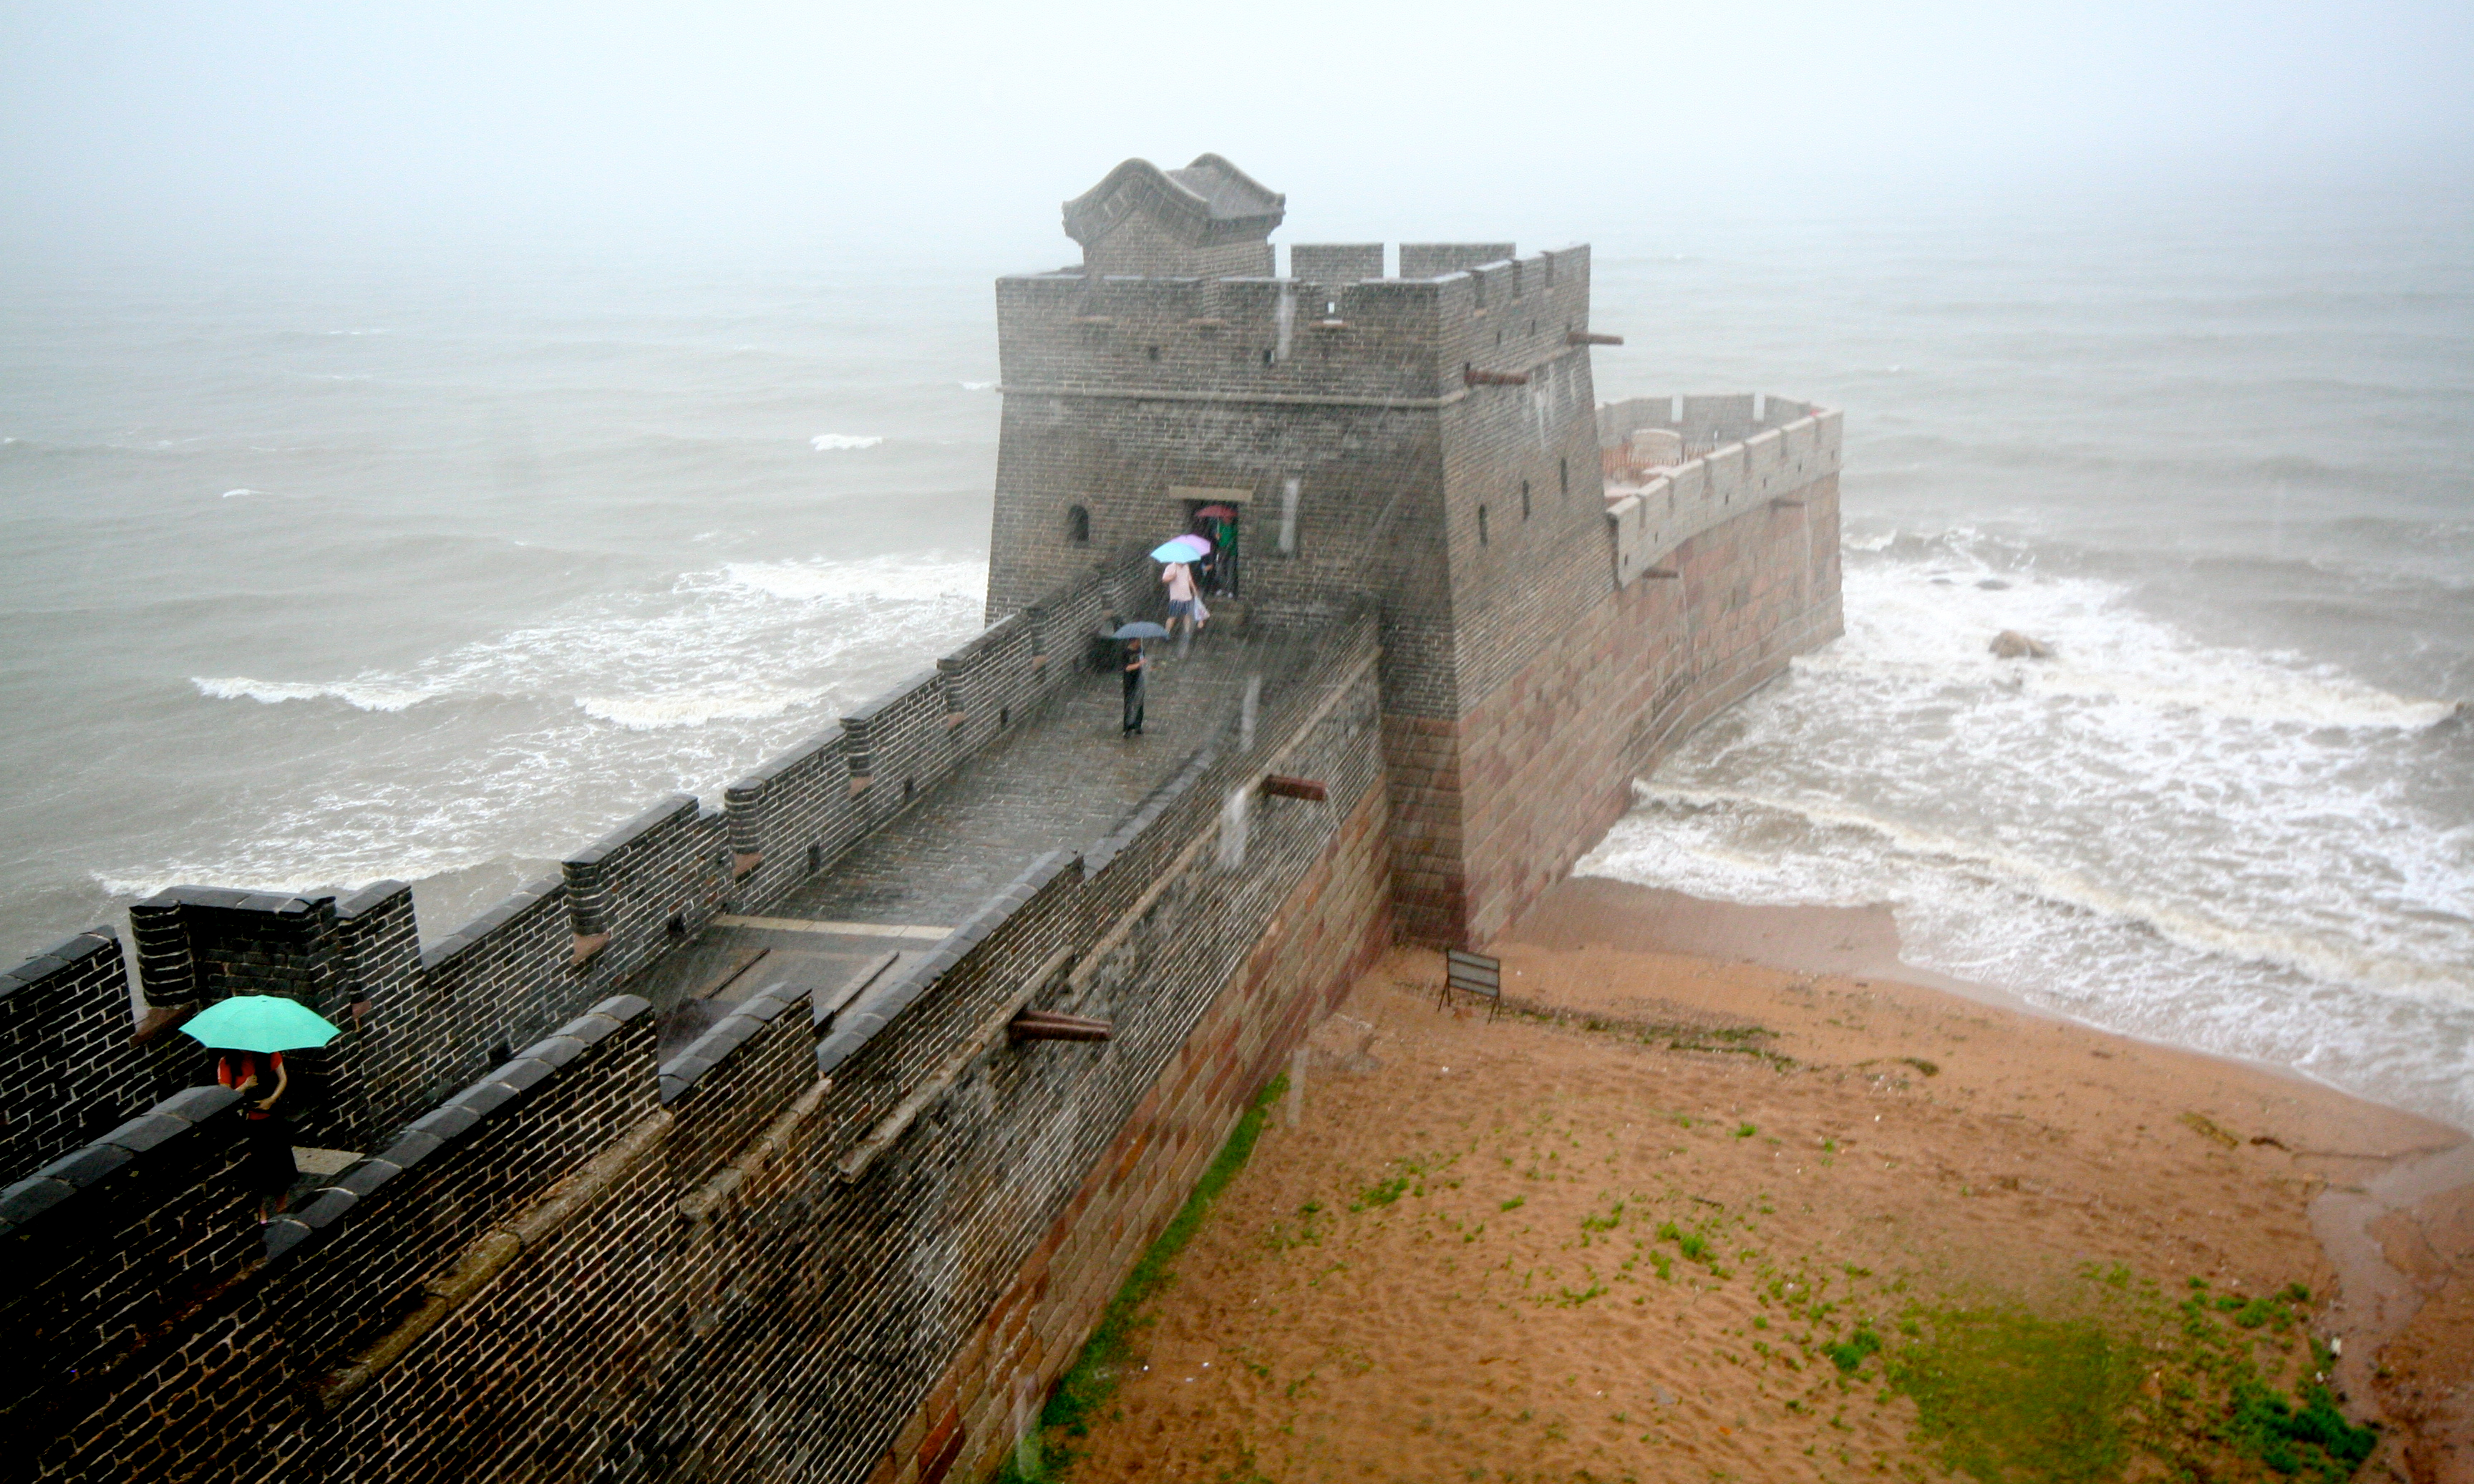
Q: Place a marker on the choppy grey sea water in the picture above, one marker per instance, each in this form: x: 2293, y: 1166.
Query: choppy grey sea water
x: 334, y: 573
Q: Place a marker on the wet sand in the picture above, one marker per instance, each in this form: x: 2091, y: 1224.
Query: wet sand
x: 1453, y: 1262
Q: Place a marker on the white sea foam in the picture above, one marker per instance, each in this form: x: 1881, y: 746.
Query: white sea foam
x: 835, y: 443
x: 1904, y: 625
x: 695, y: 708
x: 2186, y: 923
x: 2213, y: 847
x: 570, y: 723
x: 747, y: 639
x: 900, y: 578
x: 238, y: 494
x: 359, y: 694
x: 978, y: 386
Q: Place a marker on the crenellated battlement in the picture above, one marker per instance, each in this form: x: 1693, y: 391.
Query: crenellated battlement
x: 1653, y: 509
x: 1405, y: 342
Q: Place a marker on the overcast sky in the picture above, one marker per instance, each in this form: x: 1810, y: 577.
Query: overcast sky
x: 237, y: 121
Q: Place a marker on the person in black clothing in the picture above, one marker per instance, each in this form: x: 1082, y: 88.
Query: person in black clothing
x: 1134, y: 667
x: 269, y: 1168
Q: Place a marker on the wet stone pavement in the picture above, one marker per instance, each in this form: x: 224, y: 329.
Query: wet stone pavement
x: 1062, y: 782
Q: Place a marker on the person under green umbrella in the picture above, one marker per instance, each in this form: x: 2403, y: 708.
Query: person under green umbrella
x: 260, y: 1028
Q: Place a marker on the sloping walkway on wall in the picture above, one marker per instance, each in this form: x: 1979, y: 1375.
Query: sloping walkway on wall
x: 1061, y: 782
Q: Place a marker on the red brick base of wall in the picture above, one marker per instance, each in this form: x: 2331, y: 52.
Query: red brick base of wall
x: 1493, y: 809
x: 1327, y: 933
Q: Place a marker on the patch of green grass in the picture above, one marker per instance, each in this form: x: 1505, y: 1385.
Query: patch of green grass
x: 2007, y: 1393
x: 1382, y: 1192
x: 1514, y: 1205
x: 1692, y: 1244
x: 2290, y: 1438
x: 1745, y: 1130
x: 2003, y: 1393
x: 1093, y: 1378
x: 1853, y: 1350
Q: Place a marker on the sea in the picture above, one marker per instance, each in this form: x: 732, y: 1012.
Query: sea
x: 320, y: 568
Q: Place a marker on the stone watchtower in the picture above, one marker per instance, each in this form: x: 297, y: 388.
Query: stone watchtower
x: 1427, y: 436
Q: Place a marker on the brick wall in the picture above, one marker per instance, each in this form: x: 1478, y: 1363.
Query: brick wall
x: 730, y: 1263
x: 1327, y: 933
x: 69, y: 1070
x: 1500, y: 803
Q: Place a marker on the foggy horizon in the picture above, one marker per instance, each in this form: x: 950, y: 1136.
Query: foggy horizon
x: 284, y: 131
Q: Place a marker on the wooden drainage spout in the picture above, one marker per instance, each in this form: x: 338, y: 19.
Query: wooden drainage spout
x: 1044, y: 1024
x: 1470, y: 375
x: 1583, y: 337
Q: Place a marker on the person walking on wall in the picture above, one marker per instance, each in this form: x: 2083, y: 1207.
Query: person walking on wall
x: 269, y: 1168
x: 1179, y: 578
x: 1134, y: 667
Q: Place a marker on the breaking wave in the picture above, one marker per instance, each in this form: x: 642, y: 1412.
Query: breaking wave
x: 358, y: 695
x: 2219, y: 847
x: 834, y: 443
x: 695, y: 708
x: 520, y: 746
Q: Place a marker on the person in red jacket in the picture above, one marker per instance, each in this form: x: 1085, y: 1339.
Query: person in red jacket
x: 269, y: 1168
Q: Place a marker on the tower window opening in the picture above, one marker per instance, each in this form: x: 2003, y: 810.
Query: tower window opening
x: 1563, y: 474
x: 1481, y: 526
x: 1078, y: 524
x: 815, y: 859
x: 1525, y: 499
x: 1151, y: 352
x: 1331, y: 306
x: 1267, y: 355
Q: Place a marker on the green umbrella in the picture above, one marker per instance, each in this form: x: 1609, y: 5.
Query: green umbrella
x: 260, y: 1022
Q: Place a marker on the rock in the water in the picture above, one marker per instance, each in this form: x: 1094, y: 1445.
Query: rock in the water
x: 1993, y: 585
x: 2011, y: 645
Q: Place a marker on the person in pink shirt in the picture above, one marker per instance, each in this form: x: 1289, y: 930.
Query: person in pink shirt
x: 1181, y: 601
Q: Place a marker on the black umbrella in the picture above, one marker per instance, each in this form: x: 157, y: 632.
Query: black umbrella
x: 1140, y: 631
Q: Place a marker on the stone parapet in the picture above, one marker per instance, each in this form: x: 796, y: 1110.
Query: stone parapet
x: 1672, y: 505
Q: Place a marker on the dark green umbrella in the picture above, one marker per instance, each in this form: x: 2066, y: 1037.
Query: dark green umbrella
x: 260, y: 1022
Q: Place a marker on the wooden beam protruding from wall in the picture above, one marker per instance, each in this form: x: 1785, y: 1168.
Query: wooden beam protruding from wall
x: 1047, y: 1025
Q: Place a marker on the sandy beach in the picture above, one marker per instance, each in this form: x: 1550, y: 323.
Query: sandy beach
x: 1728, y: 1194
